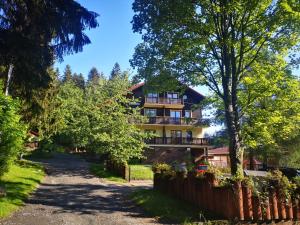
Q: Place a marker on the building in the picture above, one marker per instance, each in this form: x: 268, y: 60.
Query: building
x: 219, y: 157
x: 176, y: 121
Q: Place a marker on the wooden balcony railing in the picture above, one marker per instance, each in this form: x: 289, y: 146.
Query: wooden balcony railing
x: 164, y: 100
x: 178, y: 141
x: 177, y: 121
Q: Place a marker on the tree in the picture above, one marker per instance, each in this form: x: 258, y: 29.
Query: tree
x: 67, y: 76
x: 96, y: 119
x: 94, y: 76
x: 33, y: 34
x: 271, y: 109
x: 13, y: 131
x: 214, y: 43
x: 79, y: 80
x: 116, y: 71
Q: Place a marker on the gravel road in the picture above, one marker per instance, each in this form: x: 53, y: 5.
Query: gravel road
x: 70, y: 195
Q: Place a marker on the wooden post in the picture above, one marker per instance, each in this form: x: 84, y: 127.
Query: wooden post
x: 257, y: 212
x: 274, y: 202
x: 268, y: 210
x: 247, y: 196
x: 289, y: 210
x: 239, y: 200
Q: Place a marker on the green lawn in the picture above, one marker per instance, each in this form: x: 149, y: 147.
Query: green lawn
x: 19, y: 182
x: 99, y: 171
x: 141, y: 172
x: 172, y: 210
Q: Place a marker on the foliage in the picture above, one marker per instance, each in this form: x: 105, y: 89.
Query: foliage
x: 12, y: 131
x: 21, y: 180
x: 100, y: 171
x: 78, y: 80
x: 215, y: 43
x: 116, y: 71
x: 34, y: 33
x: 285, y: 187
x: 160, y: 168
x: 67, y: 76
x: 94, y: 76
x: 96, y: 118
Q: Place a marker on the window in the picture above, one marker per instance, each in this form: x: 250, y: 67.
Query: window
x: 172, y: 95
x: 150, y: 112
x: 175, y: 114
x: 188, y: 114
x: 152, y: 95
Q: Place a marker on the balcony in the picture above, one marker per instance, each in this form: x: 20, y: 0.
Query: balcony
x: 177, y: 121
x: 164, y: 102
x: 178, y: 141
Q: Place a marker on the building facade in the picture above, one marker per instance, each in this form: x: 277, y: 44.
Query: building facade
x: 176, y: 121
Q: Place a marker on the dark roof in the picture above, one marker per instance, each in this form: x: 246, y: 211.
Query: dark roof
x: 136, y: 86
x: 132, y: 88
x: 219, y: 151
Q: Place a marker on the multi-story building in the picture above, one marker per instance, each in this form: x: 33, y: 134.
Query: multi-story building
x: 176, y: 120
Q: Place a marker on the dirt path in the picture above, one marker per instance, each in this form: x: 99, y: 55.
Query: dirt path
x: 69, y: 195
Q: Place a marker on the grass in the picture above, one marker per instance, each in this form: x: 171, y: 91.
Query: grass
x: 164, y: 207
x: 100, y: 171
x: 168, y: 209
x: 21, y: 179
x: 141, y: 172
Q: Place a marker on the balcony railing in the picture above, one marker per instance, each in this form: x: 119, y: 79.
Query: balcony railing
x: 176, y: 121
x: 178, y: 141
x: 164, y: 100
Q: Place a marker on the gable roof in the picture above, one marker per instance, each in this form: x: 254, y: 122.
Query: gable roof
x: 219, y: 151
x: 136, y: 86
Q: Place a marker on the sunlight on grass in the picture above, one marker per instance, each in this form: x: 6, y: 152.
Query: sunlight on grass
x: 18, y: 183
x: 99, y: 171
x: 141, y: 172
x: 164, y: 207
x: 168, y: 209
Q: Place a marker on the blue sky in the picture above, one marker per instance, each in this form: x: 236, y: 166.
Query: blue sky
x: 113, y: 41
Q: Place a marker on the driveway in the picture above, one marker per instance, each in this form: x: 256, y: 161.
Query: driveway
x: 70, y: 195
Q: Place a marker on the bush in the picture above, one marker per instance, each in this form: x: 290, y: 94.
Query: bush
x: 286, y: 188
x: 12, y: 131
x: 163, y: 169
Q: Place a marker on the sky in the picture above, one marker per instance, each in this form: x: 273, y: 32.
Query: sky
x: 113, y: 41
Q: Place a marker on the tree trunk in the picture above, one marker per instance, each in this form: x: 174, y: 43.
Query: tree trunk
x: 9, y: 75
x: 235, y: 147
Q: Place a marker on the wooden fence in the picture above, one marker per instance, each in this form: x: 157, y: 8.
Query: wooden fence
x: 230, y: 202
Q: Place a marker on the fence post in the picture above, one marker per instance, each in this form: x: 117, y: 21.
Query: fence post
x: 248, y: 210
x: 239, y: 200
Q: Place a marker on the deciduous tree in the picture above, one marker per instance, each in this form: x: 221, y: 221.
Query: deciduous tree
x: 213, y: 43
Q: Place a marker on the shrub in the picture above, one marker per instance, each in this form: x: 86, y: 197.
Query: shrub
x: 160, y: 168
x: 163, y: 169
x: 12, y: 131
x: 285, y: 187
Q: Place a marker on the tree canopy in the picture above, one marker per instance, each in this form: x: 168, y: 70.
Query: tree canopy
x: 34, y: 33
x: 214, y: 43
